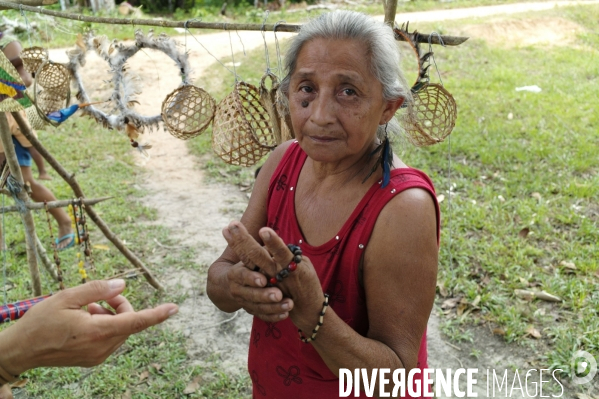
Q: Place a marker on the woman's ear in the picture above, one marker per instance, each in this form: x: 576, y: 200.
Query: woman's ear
x: 390, y: 110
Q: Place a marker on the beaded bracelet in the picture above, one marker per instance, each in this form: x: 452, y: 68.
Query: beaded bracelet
x: 297, y: 258
x: 325, y: 305
x: 6, y: 378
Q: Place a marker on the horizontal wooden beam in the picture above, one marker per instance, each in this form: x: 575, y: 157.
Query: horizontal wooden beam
x: 447, y: 40
x: 55, y: 204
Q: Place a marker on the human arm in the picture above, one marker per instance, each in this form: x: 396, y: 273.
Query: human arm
x: 58, y: 332
x: 230, y: 284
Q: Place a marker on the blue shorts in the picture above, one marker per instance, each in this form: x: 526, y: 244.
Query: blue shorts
x: 23, y: 154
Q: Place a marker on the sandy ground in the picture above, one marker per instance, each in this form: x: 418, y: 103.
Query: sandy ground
x: 195, y: 211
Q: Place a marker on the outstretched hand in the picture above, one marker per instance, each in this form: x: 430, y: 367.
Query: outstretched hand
x: 302, y: 289
x: 58, y: 332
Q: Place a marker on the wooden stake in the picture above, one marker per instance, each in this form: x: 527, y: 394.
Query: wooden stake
x: 70, y: 179
x: 50, y: 267
x: 15, y: 170
x: 390, y: 11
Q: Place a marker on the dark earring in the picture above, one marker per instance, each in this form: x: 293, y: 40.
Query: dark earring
x: 304, y: 104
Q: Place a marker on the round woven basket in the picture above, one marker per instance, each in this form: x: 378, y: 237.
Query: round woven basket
x: 240, y: 121
x: 187, y: 111
x: 433, y: 116
x: 48, y: 102
x: 33, y: 58
x: 54, y: 78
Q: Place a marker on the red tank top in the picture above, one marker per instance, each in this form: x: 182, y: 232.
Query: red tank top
x: 280, y: 365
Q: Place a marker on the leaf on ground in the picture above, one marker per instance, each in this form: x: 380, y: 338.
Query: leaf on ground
x: 545, y: 296
x: 568, y: 265
x: 101, y: 246
x: 525, y: 294
x: 585, y: 396
x: 156, y: 366
x: 533, y: 332
x: 536, y: 195
x: 524, y: 232
x: 442, y: 289
x: 499, y: 331
x: 19, y: 384
x: 192, y: 386
x: 126, y: 394
x: 144, y: 375
x: 440, y: 198
x: 450, y: 303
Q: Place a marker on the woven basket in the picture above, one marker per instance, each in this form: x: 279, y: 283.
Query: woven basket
x: 35, y: 119
x: 187, y: 112
x: 54, y: 78
x: 33, y: 58
x: 239, y: 122
x: 433, y: 116
x: 48, y: 102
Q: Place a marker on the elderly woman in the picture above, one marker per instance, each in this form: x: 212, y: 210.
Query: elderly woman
x: 356, y: 287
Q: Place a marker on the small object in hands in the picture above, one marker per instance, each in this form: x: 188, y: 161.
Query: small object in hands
x: 325, y: 305
x: 291, y: 267
x: 14, y: 311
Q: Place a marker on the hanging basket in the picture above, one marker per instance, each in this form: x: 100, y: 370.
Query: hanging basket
x: 35, y: 119
x: 54, y: 78
x: 48, y: 102
x: 187, y: 112
x: 33, y: 58
x: 241, y: 129
x: 433, y: 116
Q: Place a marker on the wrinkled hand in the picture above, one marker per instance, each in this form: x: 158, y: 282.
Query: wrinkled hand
x: 302, y: 289
x: 58, y: 332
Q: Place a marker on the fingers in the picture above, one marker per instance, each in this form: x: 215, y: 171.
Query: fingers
x: 250, y: 252
x: 93, y: 291
x: 120, y: 304
x: 243, y: 276
x: 94, y: 308
x: 128, y: 323
x: 276, y: 246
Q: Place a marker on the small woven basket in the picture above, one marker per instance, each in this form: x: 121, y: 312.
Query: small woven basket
x: 33, y: 58
x: 35, y: 119
x: 187, y: 111
x: 241, y: 132
x: 433, y: 116
x: 54, y: 78
x: 48, y: 102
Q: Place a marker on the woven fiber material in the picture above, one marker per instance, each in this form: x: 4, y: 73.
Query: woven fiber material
x: 54, y: 78
x: 187, y: 112
x: 35, y: 119
x: 232, y: 137
x: 258, y: 120
x: 433, y: 116
x: 33, y: 58
x: 48, y: 102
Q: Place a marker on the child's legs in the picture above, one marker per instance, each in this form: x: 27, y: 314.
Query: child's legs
x: 39, y: 162
x: 40, y: 193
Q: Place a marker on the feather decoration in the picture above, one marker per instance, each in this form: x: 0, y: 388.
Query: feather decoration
x: 386, y: 160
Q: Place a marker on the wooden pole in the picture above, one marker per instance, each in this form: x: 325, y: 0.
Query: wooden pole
x: 30, y: 3
x: 390, y: 10
x: 423, y: 38
x: 55, y: 204
x: 70, y: 179
x: 50, y: 267
x: 15, y: 170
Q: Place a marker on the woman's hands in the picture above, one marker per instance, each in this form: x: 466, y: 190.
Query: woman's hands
x: 58, y: 332
x: 299, y: 296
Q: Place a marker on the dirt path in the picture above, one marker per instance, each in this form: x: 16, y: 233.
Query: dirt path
x: 196, y: 211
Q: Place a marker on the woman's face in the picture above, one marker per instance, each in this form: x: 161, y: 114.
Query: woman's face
x: 336, y: 103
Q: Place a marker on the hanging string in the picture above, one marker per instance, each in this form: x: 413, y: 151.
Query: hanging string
x: 278, y: 48
x: 26, y: 24
x: 266, y: 55
x: 241, y: 41
x: 232, y: 56
x: 430, y: 49
x: 449, y: 193
x: 212, y: 55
